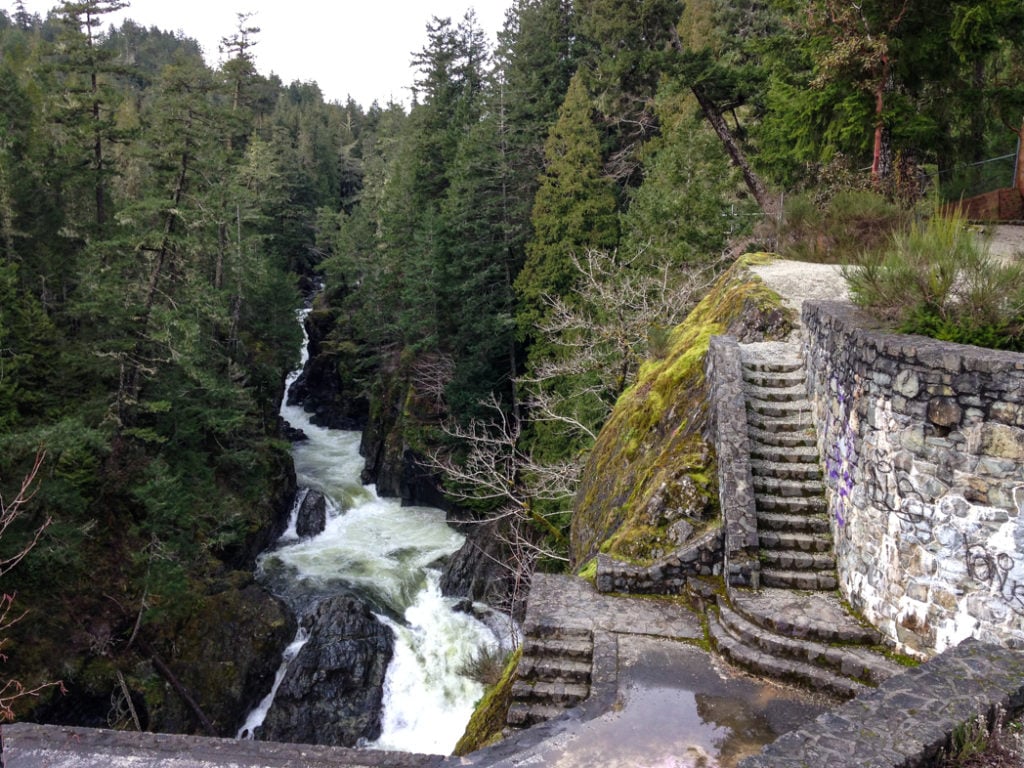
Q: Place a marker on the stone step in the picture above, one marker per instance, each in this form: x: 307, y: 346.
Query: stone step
x: 859, y: 663
x: 788, y: 487
x: 523, y: 715
x: 549, y: 693
x: 790, y: 523
x: 779, y: 364
x: 791, y: 394
x: 802, y: 436
x: 783, y: 410
x: 775, y: 378
x: 554, y: 670
x: 784, y: 454
x: 763, y: 663
x: 798, y: 560
x: 817, y: 616
x: 543, y: 631
x: 792, y: 505
x: 799, y: 423
x: 783, y: 579
x: 781, y: 470
x: 579, y: 648
x: 794, y: 540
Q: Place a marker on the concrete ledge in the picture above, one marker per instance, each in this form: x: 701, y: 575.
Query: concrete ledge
x: 26, y: 745
x: 907, y: 721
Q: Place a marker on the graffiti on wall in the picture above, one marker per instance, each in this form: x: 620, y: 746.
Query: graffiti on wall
x: 965, y: 539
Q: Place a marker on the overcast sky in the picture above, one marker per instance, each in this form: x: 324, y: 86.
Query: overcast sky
x: 360, y: 48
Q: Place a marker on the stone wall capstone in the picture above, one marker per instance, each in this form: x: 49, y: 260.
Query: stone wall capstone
x: 923, y: 443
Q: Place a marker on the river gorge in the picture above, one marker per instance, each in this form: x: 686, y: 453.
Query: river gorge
x: 362, y: 576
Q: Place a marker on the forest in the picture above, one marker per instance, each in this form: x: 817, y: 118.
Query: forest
x: 498, y: 258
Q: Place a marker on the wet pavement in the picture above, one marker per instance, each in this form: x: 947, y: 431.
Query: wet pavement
x: 678, y: 707
x: 673, y: 705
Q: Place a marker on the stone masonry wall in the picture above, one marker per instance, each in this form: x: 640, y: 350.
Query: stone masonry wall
x: 728, y: 433
x: 701, y: 556
x: 923, y: 443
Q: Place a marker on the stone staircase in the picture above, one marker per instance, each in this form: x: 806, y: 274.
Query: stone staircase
x: 554, y: 674
x: 805, y: 638
x: 793, y: 530
x: 793, y: 626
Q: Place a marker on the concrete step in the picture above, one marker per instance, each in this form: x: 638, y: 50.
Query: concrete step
x: 523, y: 715
x: 785, y: 470
x: 787, y: 487
x: 768, y: 522
x: 859, y: 663
x: 795, y: 540
x: 785, y: 579
x: 779, y: 410
x: 801, y: 437
x: 792, y: 505
x: 554, y: 669
x: 580, y: 648
x: 763, y: 663
x: 791, y: 394
x: 798, y: 560
x: 549, y: 693
x: 773, y: 379
x: 784, y: 454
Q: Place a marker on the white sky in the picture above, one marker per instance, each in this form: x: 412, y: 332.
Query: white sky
x: 360, y: 48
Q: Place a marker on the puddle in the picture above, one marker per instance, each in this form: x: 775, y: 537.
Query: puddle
x: 681, y: 708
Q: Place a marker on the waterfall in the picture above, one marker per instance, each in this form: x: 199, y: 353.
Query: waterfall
x: 387, y: 554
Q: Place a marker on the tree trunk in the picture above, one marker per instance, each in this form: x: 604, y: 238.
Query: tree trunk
x: 767, y: 202
x: 1019, y: 166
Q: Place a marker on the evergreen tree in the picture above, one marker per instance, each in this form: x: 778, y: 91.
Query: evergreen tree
x: 87, y: 68
x: 574, y: 209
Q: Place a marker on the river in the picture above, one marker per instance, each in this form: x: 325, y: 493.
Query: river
x: 388, y: 555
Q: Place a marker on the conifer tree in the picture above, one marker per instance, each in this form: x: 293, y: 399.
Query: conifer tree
x: 574, y: 209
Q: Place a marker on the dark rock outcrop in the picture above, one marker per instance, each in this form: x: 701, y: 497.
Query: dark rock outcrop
x: 328, y: 387
x: 312, y: 515
x: 226, y: 655
x: 479, y: 570
x: 333, y: 690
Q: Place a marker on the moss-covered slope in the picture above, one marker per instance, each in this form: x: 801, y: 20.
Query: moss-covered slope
x: 651, y: 464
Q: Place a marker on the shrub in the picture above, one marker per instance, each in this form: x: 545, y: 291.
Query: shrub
x: 938, y: 279
x: 837, y: 228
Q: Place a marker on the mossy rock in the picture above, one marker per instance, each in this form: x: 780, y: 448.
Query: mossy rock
x: 651, y: 462
x: 488, y: 720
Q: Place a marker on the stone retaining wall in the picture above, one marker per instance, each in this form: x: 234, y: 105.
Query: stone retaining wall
x: 908, y: 721
x: 700, y: 557
x: 923, y: 444
x: 728, y: 427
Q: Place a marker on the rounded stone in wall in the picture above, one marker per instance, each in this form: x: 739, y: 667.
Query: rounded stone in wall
x: 908, y: 384
x: 944, y: 412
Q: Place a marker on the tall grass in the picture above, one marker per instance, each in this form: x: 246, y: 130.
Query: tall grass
x: 937, y: 278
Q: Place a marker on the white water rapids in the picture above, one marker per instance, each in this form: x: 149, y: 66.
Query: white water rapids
x: 387, y: 554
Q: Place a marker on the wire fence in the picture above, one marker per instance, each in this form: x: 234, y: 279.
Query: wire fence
x: 972, y: 179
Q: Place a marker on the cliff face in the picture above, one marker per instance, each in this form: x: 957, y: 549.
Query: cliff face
x: 651, y: 468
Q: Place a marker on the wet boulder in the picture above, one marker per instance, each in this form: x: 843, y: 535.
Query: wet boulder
x: 311, y: 519
x: 333, y: 691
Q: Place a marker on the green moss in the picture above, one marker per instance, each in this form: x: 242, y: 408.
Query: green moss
x: 653, y: 443
x: 489, y: 718
x: 589, y: 571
